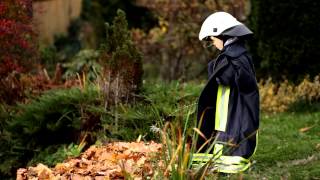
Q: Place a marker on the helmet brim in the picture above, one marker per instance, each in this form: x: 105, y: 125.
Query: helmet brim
x: 237, y: 31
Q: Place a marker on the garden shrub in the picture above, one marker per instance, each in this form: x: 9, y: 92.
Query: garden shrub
x: 122, y: 62
x: 53, y: 155
x: 85, y: 62
x: 49, y: 58
x: 57, y: 117
x: 97, y: 12
x: 279, y: 97
x: 286, y: 38
x: 18, y: 51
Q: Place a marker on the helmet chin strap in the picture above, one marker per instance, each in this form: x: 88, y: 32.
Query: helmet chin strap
x: 230, y: 41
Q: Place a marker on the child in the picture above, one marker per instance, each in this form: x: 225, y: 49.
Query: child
x: 228, y: 107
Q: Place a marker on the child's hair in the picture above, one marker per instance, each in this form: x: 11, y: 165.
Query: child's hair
x: 223, y: 38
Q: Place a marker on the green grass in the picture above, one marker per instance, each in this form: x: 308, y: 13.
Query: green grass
x: 289, y: 148
x: 283, y: 151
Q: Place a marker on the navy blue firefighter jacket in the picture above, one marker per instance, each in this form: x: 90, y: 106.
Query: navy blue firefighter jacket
x: 228, y: 107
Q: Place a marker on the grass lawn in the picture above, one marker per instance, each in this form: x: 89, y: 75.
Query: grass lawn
x: 289, y: 147
x: 289, y: 143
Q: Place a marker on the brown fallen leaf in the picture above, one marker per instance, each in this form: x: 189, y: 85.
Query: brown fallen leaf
x: 101, y: 178
x: 77, y: 177
x: 62, y: 168
x: 43, y: 171
x: 22, y: 174
x: 141, y: 161
x: 305, y: 129
x: 111, y: 161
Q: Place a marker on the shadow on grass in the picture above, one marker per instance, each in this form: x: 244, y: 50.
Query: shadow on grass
x: 304, y: 106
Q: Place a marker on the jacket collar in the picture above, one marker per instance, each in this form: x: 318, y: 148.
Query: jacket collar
x: 234, y: 50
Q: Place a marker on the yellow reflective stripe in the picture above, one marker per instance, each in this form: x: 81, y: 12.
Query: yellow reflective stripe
x: 255, y: 148
x: 225, y: 168
x: 225, y: 164
x: 221, y: 115
x: 202, y: 157
x: 217, y: 118
x: 231, y: 168
x: 232, y: 160
x: 217, y: 151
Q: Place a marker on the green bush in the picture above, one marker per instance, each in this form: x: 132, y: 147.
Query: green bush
x: 49, y: 57
x: 122, y: 62
x: 97, y: 12
x: 40, y: 130
x: 158, y: 103
x: 286, y: 38
x: 55, y: 118
x: 56, y: 154
x: 86, y: 61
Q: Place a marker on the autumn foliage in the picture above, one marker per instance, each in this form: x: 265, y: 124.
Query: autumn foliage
x: 119, y: 160
x: 172, y: 49
x: 17, y: 48
x: 279, y: 97
x: 16, y: 34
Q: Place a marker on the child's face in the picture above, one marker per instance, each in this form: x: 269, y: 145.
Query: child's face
x: 218, y: 43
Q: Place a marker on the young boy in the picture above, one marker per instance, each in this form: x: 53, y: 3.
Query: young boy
x: 228, y: 107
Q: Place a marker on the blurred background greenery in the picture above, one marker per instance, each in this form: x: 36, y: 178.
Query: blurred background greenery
x: 96, y: 71
x: 285, y: 33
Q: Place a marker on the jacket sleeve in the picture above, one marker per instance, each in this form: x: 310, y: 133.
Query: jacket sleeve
x: 239, y: 73
x: 226, y: 76
x: 244, y: 76
x: 210, y: 68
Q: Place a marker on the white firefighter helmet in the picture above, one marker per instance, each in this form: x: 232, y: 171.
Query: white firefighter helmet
x: 222, y: 23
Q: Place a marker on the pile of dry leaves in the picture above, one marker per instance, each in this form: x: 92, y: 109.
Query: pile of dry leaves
x: 113, y: 161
